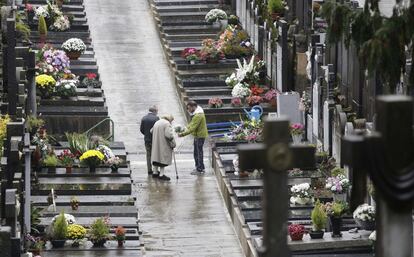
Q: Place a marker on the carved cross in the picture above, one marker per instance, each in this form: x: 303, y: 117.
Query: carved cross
x: 275, y: 156
x: 387, y: 156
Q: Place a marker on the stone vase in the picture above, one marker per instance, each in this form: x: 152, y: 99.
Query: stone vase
x: 339, y: 197
x: 366, y: 225
x: 223, y: 24
x: 216, y: 24
x: 297, y: 139
x: 300, y: 200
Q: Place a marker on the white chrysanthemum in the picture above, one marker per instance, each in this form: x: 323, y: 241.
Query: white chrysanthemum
x: 42, y: 11
x: 240, y: 90
x: 215, y: 15
x: 74, y: 45
x: 364, y: 212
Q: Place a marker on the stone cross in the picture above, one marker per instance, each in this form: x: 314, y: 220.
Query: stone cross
x: 275, y: 156
x: 387, y: 156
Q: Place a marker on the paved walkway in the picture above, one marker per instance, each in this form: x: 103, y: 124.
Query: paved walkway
x: 181, y: 218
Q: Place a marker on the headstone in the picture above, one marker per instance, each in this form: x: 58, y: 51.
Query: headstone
x: 282, y: 57
x: 288, y: 105
x: 269, y: 59
x: 315, y: 108
x: 309, y: 132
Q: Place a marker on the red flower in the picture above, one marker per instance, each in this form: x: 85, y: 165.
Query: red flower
x: 189, y: 51
x: 91, y: 75
x: 29, y: 8
x: 254, y: 100
x: 296, y: 230
x: 256, y: 90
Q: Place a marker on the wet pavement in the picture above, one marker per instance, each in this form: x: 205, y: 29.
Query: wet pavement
x: 184, y: 217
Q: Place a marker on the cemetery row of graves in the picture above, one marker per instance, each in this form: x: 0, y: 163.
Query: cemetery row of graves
x: 66, y: 187
x: 244, y: 60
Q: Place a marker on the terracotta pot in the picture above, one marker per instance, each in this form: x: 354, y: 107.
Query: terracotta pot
x: 73, y: 55
x: 120, y: 243
x: 273, y: 103
x: 68, y: 170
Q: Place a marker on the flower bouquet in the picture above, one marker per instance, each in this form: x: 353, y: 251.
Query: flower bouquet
x: 210, y: 52
x: 191, y: 55
x: 67, y: 159
x: 45, y: 84
x: 34, y: 244
x: 234, y: 42
x: 215, y: 102
x: 66, y: 88
x: 248, y: 130
x: 92, y: 158
x: 338, y: 184
x: 246, y: 73
x: 270, y: 97
x: 61, y: 23
x: 76, y: 233
x: 106, y: 151
x: 335, y: 211
x: 74, y: 47
x: 254, y: 100
x: 297, y: 130
x: 91, y: 80
x: 364, y: 216
x: 74, y: 203
x: 120, y: 235
x: 300, y: 194
x: 236, y: 102
x: 52, y: 62
x: 114, y: 163
x: 256, y: 90
x: 179, y: 129
x: 241, y: 90
x: 296, y: 231
x: 215, y: 15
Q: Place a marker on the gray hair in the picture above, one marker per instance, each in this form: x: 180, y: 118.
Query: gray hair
x: 168, y: 117
x: 153, y: 109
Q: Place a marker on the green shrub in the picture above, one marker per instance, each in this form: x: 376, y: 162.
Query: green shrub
x: 275, y: 6
x: 34, y: 123
x: 51, y: 161
x: 42, y: 26
x: 99, y: 230
x: 60, y: 227
x: 319, y: 217
x: 337, y: 171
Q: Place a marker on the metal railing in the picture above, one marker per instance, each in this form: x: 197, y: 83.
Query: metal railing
x: 111, y: 136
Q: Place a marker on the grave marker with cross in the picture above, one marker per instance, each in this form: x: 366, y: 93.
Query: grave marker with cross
x: 387, y: 156
x: 276, y: 156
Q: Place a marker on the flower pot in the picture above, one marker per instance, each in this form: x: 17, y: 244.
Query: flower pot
x: 316, y: 234
x: 366, y: 225
x: 336, y: 223
x: 300, y: 200
x: 216, y: 24
x: 276, y: 16
x: 192, y: 62
x: 340, y: 197
x: 73, y: 55
x: 99, y: 243
x: 51, y: 169
x: 44, y: 93
x: 75, y: 243
x: 68, y: 170
x: 92, y: 169
x: 114, y: 169
x: 297, y: 139
x: 120, y: 243
x: 212, y: 60
x: 74, y: 207
x: 58, y: 243
x: 296, y: 237
x: 273, y: 103
x: 223, y: 24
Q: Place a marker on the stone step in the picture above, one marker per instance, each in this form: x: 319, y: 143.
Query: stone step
x: 73, y: 110
x: 62, y: 36
x: 211, y: 82
x: 204, y: 29
x: 74, y: 101
x: 213, y: 73
x: 94, y: 211
x: 84, y: 172
x: 208, y: 91
x: 71, y: 2
x: 116, y: 145
x: 184, y: 65
x: 185, y: 2
x: 126, y: 222
x: 181, y: 16
x: 185, y: 37
x: 88, y: 200
x: 185, y: 8
x: 66, y: 8
x: 132, y: 247
x: 188, y: 21
x: 184, y: 44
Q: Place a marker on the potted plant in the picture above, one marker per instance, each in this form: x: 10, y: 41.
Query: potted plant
x: 46, y: 85
x: 364, y: 216
x: 34, y: 244
x: 275, y: 8
x: 114, y: 163
x: 66, y: 88
x: 339, y: 186
x: 300, y: 194
x: 42, y: 28
x: 76, y: 233
x: 59, y: 231
x: 254, y: 100
x: 296, y: 231
x: 92, y: 159
x: 297, y: 130
x: 210, y: 51
x: 217, y: 17
x: 319, y: 219
x: 74, y: 203
x: 67, y: 159
x: 236, y: 102
x: 51, y: 161
x: 233, y: 20
x: 91, y: 81
x: 34, y: 123
x: 99, y: 232
x: 335, y: 212
x: 215, y: 102
x: 190, y: 54
x: 120, y: 235
x: 270, y: 97
x: 74, y: 47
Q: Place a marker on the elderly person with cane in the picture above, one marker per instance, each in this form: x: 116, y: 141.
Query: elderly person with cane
x: 163, y: 144
x: 147, y: 123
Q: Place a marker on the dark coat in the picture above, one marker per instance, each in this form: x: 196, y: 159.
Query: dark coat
x: 147, y: 123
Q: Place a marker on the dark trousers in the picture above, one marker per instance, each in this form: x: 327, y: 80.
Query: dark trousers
x: 148, y: 148
x: 198, y: 153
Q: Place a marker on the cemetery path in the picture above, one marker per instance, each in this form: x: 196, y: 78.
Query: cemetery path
x: 180, y: 218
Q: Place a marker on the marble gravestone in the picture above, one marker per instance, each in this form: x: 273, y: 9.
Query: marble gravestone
x: 288, y: 105
x: 315, y: 108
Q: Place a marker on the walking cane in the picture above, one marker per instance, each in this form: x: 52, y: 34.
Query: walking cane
x: 175, y: 164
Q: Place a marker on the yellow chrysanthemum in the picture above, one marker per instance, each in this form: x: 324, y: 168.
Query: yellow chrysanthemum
x: 44, y: 81
x: 92, y: 153
x: 76, y: 231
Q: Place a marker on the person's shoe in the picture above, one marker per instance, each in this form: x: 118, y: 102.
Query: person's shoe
x: 150, y: 172
x: 163, y: 177
x: 198, y: 173
x: 155, y: 175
